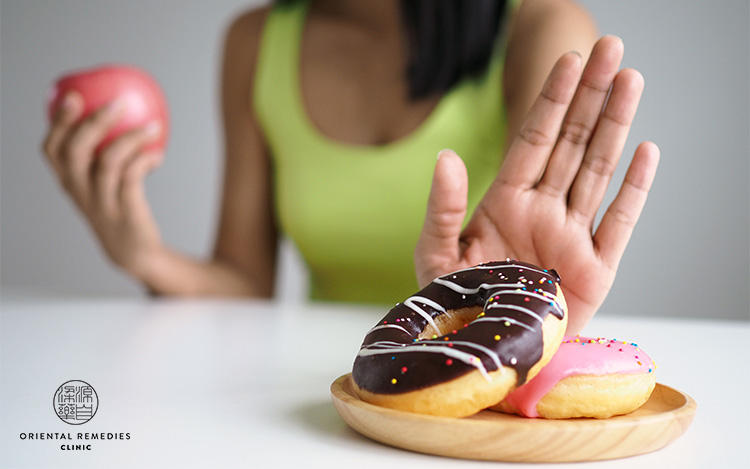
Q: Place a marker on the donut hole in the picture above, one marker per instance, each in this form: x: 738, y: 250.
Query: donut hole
x: 452, y: 320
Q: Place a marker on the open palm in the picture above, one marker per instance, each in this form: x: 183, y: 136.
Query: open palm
x: 542, y: 205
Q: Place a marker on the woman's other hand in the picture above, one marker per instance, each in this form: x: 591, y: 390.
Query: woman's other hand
x: 108, y: 186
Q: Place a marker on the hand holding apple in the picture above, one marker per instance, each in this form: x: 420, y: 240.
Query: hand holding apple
x: 108, y: 129
x: 141, y: 98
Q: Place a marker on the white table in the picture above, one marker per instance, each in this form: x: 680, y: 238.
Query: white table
x: 246, y: 384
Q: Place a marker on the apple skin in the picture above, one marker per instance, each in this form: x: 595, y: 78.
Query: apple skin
x: 143, y: 100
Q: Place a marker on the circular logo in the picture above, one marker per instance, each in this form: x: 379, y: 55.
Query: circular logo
x: 75, y: 402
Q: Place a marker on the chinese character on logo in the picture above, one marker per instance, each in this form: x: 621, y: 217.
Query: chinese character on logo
x: 75, y: 402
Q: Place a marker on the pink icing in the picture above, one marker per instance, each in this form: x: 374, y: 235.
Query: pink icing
x: 580, y: 356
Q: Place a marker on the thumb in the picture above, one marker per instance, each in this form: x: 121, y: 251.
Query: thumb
x: 446, y: 209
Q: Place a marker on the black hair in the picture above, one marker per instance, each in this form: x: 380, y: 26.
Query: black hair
x: 449, y: 40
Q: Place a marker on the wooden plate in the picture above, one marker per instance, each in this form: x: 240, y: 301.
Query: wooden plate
x: 495, y: 436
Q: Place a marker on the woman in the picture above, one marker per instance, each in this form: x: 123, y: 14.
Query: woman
x: 331, y: 138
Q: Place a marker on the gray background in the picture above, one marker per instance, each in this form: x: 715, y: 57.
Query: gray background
x: 689, y: 255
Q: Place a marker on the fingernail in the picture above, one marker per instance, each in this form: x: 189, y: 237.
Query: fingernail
x: 114, y: 106
x: 68, y: 101
x: 153, y: 129
x: 441, y: 152
x: 70, y: 105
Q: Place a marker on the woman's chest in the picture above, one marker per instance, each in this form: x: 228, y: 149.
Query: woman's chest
x: 354, y: 87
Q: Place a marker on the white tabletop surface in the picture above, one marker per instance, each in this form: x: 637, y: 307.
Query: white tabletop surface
x: 246, y: 384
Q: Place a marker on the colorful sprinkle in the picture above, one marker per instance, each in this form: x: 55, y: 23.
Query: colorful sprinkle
x: 449, y: 362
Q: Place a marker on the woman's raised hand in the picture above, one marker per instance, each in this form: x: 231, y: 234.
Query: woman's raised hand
x: 107, y: 186
x: 542, y: 205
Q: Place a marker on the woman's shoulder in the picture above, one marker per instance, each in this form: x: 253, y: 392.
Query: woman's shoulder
x: 543, y: 30
x: 242, y: 40
x: 245, y: 28
x: 535, y: 13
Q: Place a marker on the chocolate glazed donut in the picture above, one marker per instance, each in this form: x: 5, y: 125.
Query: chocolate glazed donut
x: 464, y: 341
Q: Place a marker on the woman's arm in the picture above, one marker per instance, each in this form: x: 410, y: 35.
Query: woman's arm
x: 108, y: 188
x: 247, y: 235
x: 245, y: 249
x: 542, y: 31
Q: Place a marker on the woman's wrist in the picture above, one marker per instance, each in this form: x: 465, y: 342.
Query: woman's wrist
x: 151, y: 266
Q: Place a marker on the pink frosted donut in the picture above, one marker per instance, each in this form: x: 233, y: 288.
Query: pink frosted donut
x: 587, y: 377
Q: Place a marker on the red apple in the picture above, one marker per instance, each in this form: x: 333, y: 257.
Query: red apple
x: 143, y: 100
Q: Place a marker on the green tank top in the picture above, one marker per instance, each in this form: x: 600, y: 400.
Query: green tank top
x: 355, y: 212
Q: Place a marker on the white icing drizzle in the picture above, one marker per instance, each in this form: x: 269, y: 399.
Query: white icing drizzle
x: 517, y: 308
x: 555, y: 302
x: 473, y: 291
x: 395, y: 347
x: 493, y: 355
x: 412, y: 304
x: 386, y: 326
x: 497, y: 267
x: 504, y: 319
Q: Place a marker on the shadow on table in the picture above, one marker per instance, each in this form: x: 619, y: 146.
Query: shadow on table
x: 322, y: 419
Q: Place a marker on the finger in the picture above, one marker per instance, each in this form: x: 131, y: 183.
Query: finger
x: 67, y: 114
x: 132, y: 193
x: 606, y: 147
x: 78, y: 154
x: 113, y: 160
x: 530, y: 150
x: 580, y: 122
x: 619, y: 220
x: 446, y: 209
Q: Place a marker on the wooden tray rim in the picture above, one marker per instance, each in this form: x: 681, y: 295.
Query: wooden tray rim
x: 684, y: 411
